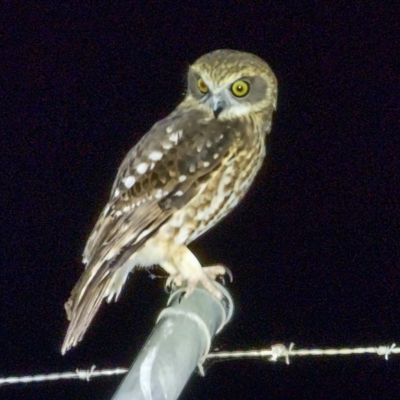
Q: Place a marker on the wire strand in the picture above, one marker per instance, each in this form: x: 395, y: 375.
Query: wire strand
x: 275, y: 352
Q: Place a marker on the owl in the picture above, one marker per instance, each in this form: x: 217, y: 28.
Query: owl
x: 189, y: 171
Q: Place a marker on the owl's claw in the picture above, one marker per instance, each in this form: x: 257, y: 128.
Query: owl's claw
x: 206, y: 278
x: 227, y: 272
x: 173, y: 281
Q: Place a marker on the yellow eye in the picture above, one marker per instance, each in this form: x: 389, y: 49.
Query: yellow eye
x: 240, y: 88
x: 202, y: 86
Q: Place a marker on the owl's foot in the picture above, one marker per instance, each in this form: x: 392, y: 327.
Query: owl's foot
x: 206, y: 276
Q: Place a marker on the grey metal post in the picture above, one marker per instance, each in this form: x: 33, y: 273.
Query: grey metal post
x: 179, y: 341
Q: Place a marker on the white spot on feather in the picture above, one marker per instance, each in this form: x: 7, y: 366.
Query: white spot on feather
x: 182, y: 178
x: 178, y: 193
x: 177, y: 220
x: 142, y: 168
x: 167, y: 145
x: 129, y: 181
x: 206, y: 164
x: 155, y: 155
x: 175, y: 136
x: 116, y: 193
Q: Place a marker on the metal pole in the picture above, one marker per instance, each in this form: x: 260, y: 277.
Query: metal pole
x: 179, y: 342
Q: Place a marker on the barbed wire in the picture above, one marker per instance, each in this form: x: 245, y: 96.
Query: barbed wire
x: 78, y: 374
x: 276, y: 352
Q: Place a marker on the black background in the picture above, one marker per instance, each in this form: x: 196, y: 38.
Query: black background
x: 313, y: 247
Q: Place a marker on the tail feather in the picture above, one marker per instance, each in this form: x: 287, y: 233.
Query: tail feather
x: 81, y: 311
x: 102, y: 279
x: 96, y: 283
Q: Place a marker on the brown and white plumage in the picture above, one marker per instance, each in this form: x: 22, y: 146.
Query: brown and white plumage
x: 180, y: 179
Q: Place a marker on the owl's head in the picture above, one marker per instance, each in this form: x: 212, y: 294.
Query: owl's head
x: 229, y: 83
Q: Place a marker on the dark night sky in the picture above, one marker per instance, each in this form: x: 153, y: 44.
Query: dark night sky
x: 313, y: 247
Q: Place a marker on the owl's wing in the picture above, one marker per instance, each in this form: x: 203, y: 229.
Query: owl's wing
x: 161, y: 174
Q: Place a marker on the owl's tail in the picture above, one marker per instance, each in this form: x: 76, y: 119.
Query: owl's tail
x: 102, y: 279
x: 87, y: 296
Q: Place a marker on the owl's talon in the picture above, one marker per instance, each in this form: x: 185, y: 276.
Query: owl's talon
x: 173, y: 281
x: 167, y: 287
x: 218, y: 271
x: 227, y: 272
x: 208, y: 275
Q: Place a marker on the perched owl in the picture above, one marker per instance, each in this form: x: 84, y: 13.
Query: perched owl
x: 180, y: 179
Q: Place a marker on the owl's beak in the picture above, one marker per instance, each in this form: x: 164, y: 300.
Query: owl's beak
x: 219, y: 106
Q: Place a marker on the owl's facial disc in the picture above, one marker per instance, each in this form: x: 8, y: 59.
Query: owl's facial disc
x: 225, y: 100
